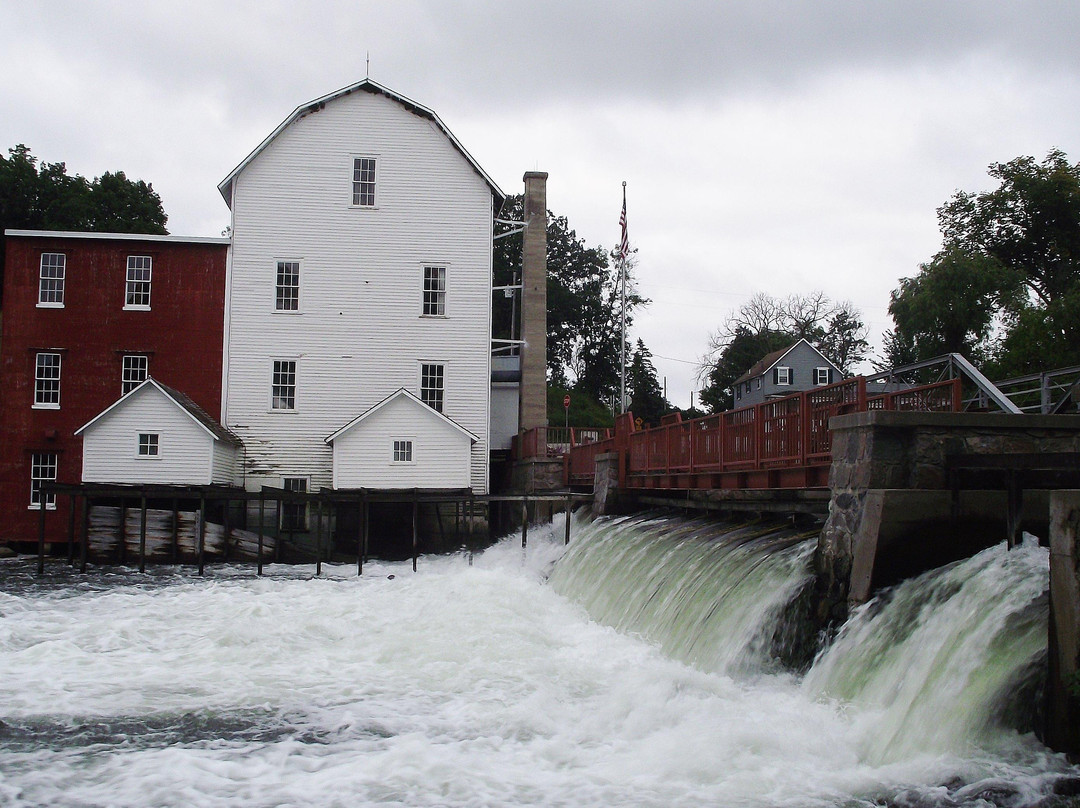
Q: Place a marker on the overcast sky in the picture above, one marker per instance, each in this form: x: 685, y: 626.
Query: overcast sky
x: 783, y: 147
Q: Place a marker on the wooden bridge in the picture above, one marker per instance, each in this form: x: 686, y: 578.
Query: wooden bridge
x: 783, y: 443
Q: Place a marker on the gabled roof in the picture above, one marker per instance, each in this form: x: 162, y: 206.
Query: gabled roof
x: 189, y: 407
x: 367, y: 86
x: 399, y: 393
x: 763, y: 365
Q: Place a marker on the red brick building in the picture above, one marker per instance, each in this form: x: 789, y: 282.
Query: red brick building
x: 86, y: 317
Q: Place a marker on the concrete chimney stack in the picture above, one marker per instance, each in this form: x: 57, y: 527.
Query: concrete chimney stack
x: 533, y: 402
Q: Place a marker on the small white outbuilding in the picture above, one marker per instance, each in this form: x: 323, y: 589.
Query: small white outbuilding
x: 401, y: 442
x: 157, y: 435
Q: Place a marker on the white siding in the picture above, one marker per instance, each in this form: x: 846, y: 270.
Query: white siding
x: 363, y: 456
x: 226, y: 470
x: 110, y: 445
x: 358, y: 335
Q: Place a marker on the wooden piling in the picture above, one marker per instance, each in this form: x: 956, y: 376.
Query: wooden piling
x: 361, y: 538
x: 41, y: 533
x: 569, y: 513
x: 415, y: 537
x: 71, y: 530
x: 262, y: 509
x: 201, y: 526
x: 318, y: 537
x: 85, y: 533
x: 142, y: 531
x: 524, y: 522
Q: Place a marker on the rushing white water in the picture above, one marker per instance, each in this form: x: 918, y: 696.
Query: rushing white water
x: 460, y: 685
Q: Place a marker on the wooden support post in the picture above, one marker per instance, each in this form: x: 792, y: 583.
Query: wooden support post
x: 259, y: 554
x: 174, y: 551
x: 361, y: 535
x: 415, y: 536
x: 200, y: 526
x: 42, y: 497
x: 142, y: 531
x: 524, y: 521
x: 318, y: 537
x: 367, y: 529
x: 71, y: 530
x: 121, y: 545
x: 225, y: 526
x: 85, y: 533
x: 277, y: 530
x: 1015, y: 510
x: 569, y: 513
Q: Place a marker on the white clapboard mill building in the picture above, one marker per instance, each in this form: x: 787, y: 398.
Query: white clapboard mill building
x: 358, y: 308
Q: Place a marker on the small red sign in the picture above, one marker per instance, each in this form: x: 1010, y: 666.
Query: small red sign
x: 566, y: 402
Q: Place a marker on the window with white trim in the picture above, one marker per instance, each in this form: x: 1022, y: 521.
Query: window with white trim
x: 363, y: 182
x: 432, y: 378
x: 287, y: 287
x: 434, y: 291
x: 402, y: 451
x: 42, y: 469
x: 822, y: 375
x: 149, y: 445
x: 47, y: 381
x: 283, y: 385
x: 137, y: 291
x: 294, y: 514
x: 51, y: 280
x: 783, y: 376
x: 135, y: 371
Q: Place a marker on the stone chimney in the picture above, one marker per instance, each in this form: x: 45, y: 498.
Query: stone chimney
x: 532, y: 407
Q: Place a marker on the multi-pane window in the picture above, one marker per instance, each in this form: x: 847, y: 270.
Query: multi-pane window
x: 363, y: 182
x: 821, y: 375
x: 431, y: 386
x: 42, y: 469
x: 434, y: 291
x: 283, y: 385
x: 294, y: 514
x: 134, y: 373
x: 287, y: 294
x: 51, y: 283
x: 137, y: 292
x: 783, y: 375
x: 47, y: 380
x: 148, y: 444
x: 402, y: 451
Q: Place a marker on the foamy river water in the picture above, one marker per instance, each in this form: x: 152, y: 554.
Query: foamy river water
x: 463, y: 684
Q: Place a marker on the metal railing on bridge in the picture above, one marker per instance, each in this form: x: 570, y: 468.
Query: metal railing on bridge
x: 781, y: 443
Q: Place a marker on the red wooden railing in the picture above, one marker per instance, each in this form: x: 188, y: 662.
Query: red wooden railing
x: 781, y: 443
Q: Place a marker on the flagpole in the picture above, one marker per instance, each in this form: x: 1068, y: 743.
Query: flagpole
x: 623, y: 246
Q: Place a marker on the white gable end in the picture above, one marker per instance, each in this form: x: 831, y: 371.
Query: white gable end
x: 431, y: 452
x: 358, y: 331
x: 182, y: 453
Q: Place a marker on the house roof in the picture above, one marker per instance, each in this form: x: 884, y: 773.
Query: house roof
x: 368, y: 86
x: 766, y: 362
x: 399, y: 393
x: 193, y: 411
x: 116, y: 236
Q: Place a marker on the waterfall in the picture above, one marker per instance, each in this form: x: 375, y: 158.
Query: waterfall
x: 933, y: 666
x: 720, y: 597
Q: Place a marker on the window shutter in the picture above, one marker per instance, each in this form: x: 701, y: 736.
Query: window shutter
x: 831, y: 380
x: 791, y: 375
x: 776, y: 375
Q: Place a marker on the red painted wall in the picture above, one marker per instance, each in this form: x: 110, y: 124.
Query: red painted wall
x: 181, y: 333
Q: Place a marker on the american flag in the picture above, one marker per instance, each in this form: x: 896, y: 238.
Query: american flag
x: 624, y: 245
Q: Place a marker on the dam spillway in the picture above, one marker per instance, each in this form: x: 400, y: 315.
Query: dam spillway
x: 642, y: 666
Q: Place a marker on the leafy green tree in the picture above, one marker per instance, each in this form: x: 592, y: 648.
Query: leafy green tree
x: 949, y: 307
x: 1004, y: 288
x: 647, y: 400
x: 582, y: 305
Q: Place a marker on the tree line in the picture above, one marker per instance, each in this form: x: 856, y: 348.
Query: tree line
x: 1003, y: 290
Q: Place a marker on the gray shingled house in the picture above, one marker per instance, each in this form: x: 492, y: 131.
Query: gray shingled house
x: 798, y: 367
